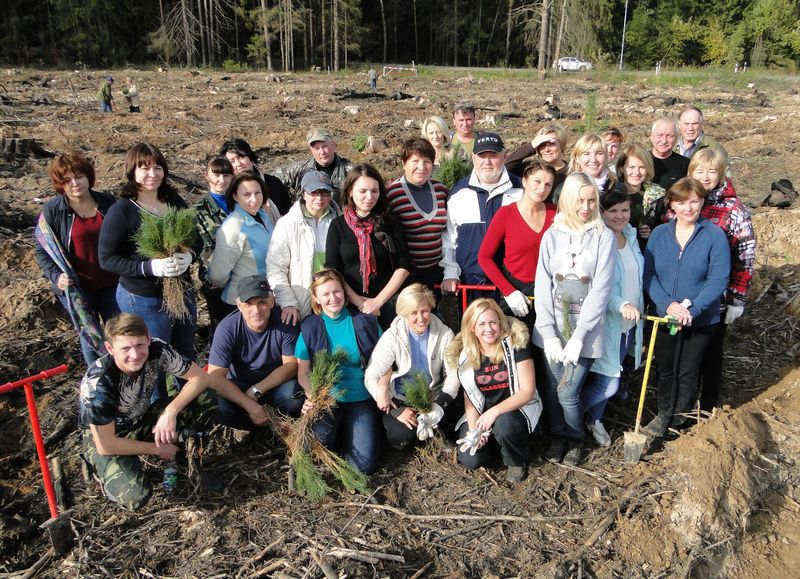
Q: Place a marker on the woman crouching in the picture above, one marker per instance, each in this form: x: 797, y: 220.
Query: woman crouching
x: 495, y: 368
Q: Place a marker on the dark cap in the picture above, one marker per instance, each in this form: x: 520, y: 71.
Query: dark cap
x: 488, y: 142
x: 110, y: 78
x: 315, y: 180
x: 253, y: 286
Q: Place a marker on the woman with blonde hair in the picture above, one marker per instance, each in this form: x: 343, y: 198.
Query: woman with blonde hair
x: 435, y: 130
x: 589, y: 156
x: 573, y: 285
x: 549, y: 146
x: 416, y: 341
x: 635, y: 169
x: 501, y: 406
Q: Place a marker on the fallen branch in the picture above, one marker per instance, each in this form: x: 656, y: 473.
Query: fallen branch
x: 507, y: 518
x: 365, y: 556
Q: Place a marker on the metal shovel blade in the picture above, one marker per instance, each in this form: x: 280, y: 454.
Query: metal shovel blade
x: 634, y: 446
x: 60, y: 530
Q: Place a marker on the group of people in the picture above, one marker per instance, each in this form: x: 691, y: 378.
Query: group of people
x: 322, y: 254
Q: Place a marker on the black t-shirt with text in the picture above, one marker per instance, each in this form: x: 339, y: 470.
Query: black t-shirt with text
x: 492, y: 379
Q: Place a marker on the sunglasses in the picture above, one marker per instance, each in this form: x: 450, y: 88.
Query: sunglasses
x: 331, y: 273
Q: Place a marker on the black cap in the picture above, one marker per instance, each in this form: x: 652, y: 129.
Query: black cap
x: 488, y: 142
x: 253, y: 286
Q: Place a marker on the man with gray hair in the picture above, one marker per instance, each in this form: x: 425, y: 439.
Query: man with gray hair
x: 324, y: 158
x: 669, y: 166
x: 465, y: 134
x: 693, y: 138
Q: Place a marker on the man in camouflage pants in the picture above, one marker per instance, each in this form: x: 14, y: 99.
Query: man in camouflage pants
x: 117, y: 415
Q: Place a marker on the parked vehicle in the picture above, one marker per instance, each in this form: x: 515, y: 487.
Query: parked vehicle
x: 572, y: 63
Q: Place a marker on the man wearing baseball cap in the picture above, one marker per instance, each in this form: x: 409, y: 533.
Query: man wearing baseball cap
x: 472, y: 203
x: 323, y: 158
x: 254, y: 349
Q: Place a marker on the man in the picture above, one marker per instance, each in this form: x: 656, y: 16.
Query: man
x: 465, y: 134
x: 472, y: 203
x: 612, y: 139
x: 253, y: 350
x: 105, y: 96
x: 669, y: 166
x: 693, y: 137
x: 323, y: 158
x: 119, y: 420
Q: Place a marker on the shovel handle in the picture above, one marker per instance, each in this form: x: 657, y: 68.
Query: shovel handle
x: 656, y: 321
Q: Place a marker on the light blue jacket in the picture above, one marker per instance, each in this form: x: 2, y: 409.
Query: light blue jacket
x: 608, y: 363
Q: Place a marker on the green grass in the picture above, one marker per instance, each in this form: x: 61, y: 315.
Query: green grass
x: 360, y: 143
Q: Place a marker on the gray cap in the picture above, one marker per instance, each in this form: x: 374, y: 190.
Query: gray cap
x: 315, y: 180
x: 488, y: 142
x: 253, y: 286
x: 318, y: 134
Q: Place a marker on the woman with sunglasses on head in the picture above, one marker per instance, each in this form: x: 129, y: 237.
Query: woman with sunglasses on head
x: 352, y: 428
x: 297, y: 248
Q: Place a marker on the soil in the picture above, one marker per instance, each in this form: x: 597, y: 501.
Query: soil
x: 722, y: 500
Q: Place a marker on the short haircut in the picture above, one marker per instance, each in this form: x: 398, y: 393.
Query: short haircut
x: 421, y: 147
x: 125, y: 325
x: 142, y: 155
x: 689, y: 108
x: 365, y: 170
x: 464, y: 107
x: 664, y: 120
x: 243, y: 177
x: 557, y: 131
x: 613, y: 197
x: 710, y: 158
x: 412, y: 296
x: 321, y: 277
x: 586, y: 143
x: 219, y: 164
x: 472, y: 347
x: 442, y: 126
x: 239, y: 146
x: 637, y: 152
x: 682, y: 189
x: 535, y: 165
x: 570, y: 197
x: 69, y: 162
x: 612, y: 132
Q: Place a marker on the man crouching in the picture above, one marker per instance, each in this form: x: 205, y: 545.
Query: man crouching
x: 120, y: 420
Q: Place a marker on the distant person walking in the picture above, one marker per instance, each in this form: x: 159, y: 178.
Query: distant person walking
x: 131, y: 92
x: 373, y: 79
x: 104, y: 95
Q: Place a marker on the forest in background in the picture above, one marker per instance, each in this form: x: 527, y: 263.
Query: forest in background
x: 332, y: 34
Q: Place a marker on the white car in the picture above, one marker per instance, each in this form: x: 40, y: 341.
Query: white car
x: 572, y: 63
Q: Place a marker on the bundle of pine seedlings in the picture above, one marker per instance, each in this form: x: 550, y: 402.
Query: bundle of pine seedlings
x: 161, y: 236
x: 418, y: 392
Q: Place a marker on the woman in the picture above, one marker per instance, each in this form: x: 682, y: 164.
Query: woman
x: 494, y: 366
x: 297, y: 248
x: 416, y: 341
x: 589, y: 156
x: 67, y: 237
x: 548, y: 146
x: 635, y: 169
x: 353, y: 427
x: 140, y: 289
x: 242, y: 239
x: 420, y: 205
x: 573, y: 284
x: 723, y: 207
x: 243, y: 158
x: 367, y: 245
x: 686, y: 268
x: 437, y: 133
x: 514, y: 236
x: 623, y: 327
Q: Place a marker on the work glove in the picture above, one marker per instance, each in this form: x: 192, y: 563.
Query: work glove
x: 572, y: 351
x: 184, y: 260
x: 732, y: 314
x: 519, y: 304
x: 471, y: 441
x: 427, y: 421
x: 165, y: 267
x: 552, y: 350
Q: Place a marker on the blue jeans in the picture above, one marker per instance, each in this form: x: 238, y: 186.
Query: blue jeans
x: 101, y: 301
x: 600, y: 388
x: 563, y: 405
x: 353, y: 429
x: 105, y: 107
x: 281, y: 397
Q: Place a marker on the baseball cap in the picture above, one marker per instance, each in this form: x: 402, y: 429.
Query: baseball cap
x: 542, y: 139
x: 318, y: 134
x: 253, y: 286
x: 488, y: 142
x: 110, y: 78
x: 314, y: 180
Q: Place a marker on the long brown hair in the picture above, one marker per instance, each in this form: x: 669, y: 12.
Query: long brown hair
x: 141, y: 155
x: 366, y: 170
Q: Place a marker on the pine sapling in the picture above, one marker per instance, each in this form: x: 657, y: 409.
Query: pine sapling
x: 418, y: 392
x: 452, y: 170
x: 569, y: 369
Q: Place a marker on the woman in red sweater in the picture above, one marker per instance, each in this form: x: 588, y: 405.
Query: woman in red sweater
x: 514, y: 234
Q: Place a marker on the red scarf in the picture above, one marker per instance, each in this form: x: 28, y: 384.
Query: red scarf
x: 362, y: 228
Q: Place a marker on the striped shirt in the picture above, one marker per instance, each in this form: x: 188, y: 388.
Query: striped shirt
x: 423, y: 229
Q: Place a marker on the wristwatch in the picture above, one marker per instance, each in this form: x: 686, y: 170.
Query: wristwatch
x: 255, y: 392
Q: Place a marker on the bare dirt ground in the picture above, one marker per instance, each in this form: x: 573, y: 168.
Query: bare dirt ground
x: 723, y: 500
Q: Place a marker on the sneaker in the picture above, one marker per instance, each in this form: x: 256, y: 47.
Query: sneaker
x: 574, y: 455
x: 599, y: 432
x: 555, y: 452
x: 516, y: 474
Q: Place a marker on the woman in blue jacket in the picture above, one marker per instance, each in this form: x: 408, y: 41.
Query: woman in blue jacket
x: 686, y: 268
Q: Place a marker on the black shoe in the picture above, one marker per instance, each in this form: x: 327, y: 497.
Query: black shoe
x: 516, y: 474
x: 555, y: 452
x: 574, y: 455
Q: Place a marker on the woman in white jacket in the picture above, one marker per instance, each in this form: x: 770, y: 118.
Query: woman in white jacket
x: 297, y: 247
x: 415, y: 340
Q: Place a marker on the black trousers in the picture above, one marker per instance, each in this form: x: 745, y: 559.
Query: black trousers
x: 712, y: 369
x: 509, y: 436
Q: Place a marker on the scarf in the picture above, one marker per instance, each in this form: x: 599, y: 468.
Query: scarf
x: 601, y: 181
x: 362, y: 228
x: 82, y: 317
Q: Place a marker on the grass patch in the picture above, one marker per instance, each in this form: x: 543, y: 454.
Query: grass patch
x: 360, y: 143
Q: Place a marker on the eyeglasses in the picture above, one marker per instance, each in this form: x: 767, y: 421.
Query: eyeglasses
x: 319, y: 193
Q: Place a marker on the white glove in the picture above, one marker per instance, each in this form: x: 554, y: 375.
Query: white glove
x: 572, y: 351
x: 471, y: 441
x: 519, y: 304
x: 733, y: 313
x: 427, y: 421
x: 552, y: 350
x: 165, y: 267
x: 184, y: 260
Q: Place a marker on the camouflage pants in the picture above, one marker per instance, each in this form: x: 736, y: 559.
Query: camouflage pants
x: 122, y: 477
